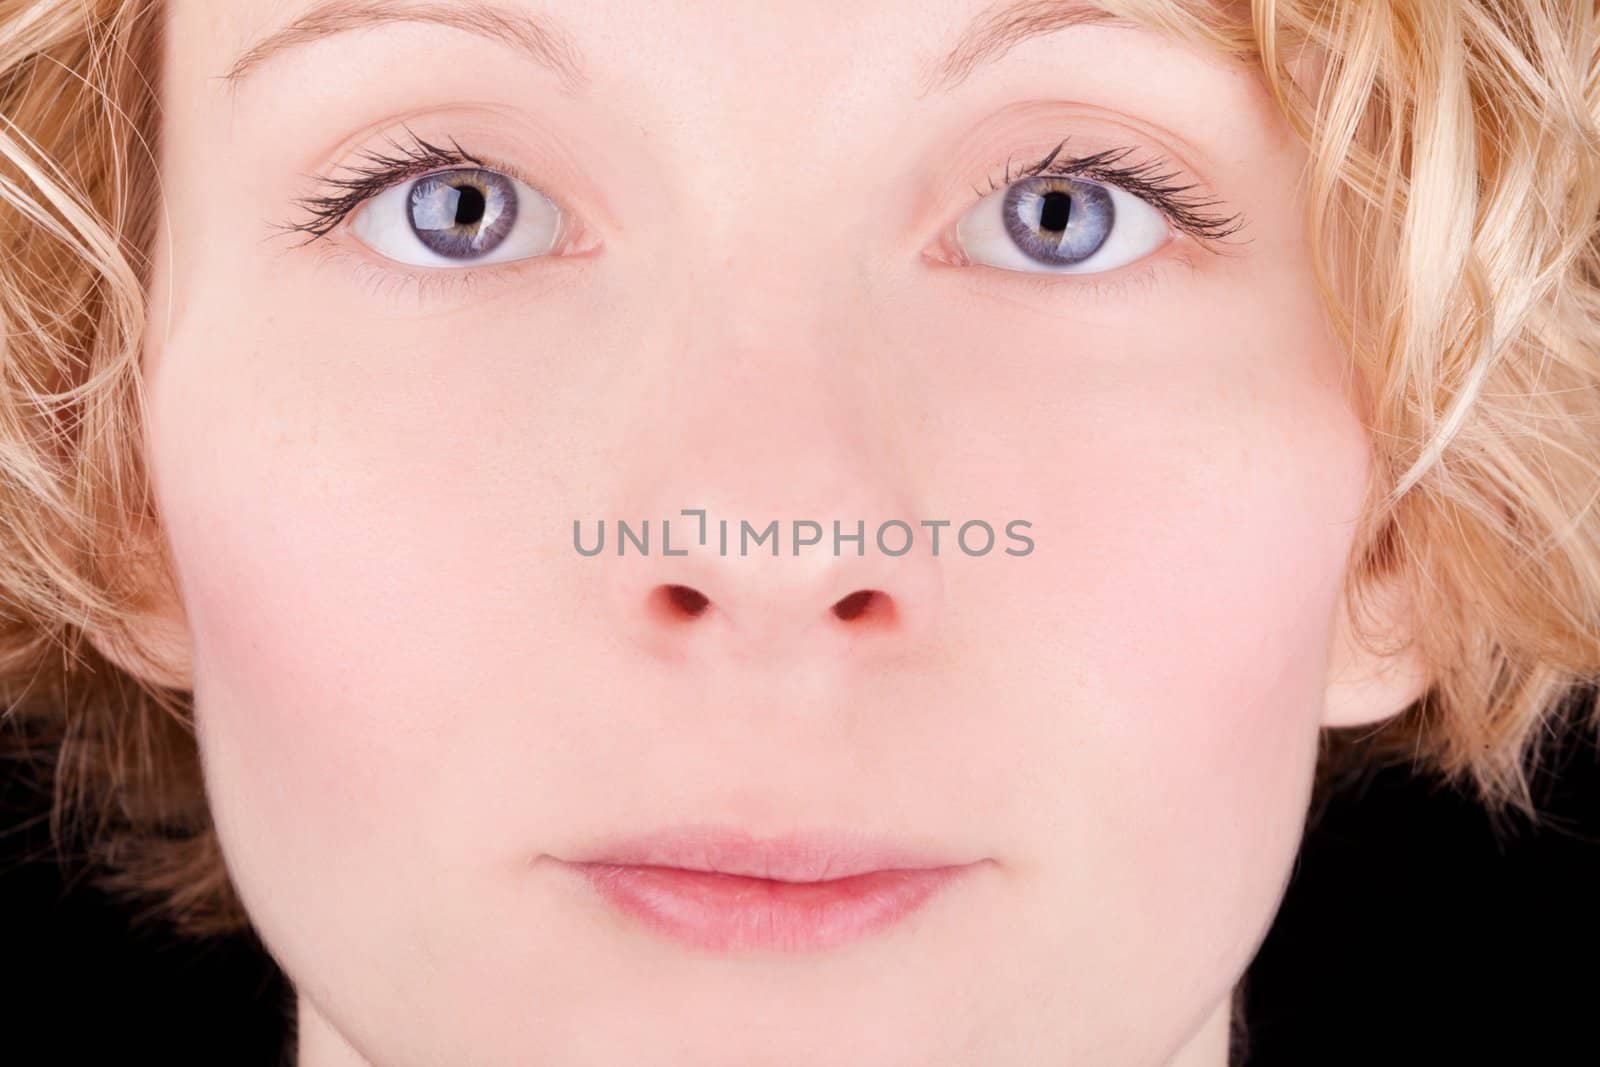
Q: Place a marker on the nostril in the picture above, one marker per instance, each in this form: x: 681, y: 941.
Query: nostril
x: 682, y: 600
x: 860, y: 603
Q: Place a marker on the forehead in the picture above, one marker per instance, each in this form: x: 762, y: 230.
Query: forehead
x: 945, y: 41
x: 844, y: 73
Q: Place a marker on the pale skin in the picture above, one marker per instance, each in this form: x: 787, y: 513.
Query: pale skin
x: 407, y: 683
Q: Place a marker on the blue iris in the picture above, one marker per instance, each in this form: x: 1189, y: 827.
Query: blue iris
x: 1058, y: 221
x: 462, y: 213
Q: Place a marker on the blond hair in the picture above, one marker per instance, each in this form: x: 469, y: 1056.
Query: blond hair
x: 1454, y: 207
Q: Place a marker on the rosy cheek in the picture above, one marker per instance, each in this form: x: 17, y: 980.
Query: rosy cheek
x: 288, y: 607
x: 284, y: 734
x: 1208, y: 541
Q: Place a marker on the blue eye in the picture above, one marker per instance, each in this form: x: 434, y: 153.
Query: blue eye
x: 1061, y: 225
x: 461, y: 217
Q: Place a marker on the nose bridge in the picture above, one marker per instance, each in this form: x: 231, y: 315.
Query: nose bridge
x: 784, y: 286
x: 769, y: 230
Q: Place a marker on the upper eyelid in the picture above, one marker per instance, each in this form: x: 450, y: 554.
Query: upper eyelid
x: 1145, y: 179
x: 414, y: 162
x: 1150, y: 179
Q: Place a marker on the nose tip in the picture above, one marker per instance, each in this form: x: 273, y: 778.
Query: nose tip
x: 800, y: 600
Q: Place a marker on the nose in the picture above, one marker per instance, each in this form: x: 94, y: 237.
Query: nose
x: 773, y: 588
x: 771, y: 501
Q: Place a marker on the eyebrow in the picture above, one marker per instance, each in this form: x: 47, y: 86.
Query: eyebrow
x: 989, y: 35
x: 994, y: 32
x: 536, y: 37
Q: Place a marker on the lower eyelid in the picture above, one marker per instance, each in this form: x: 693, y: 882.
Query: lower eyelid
x: 573, y: 241
x: 407, y: 286
x: 1104, y: 285
x: 1081, y: 285
x: 454, y: 283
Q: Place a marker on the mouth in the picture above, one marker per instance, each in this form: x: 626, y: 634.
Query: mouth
x: 725, y: 891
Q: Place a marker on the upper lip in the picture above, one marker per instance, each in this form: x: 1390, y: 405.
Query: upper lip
x: 793, y: 857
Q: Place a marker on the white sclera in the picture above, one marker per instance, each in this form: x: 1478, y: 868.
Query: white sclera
x: 1138, y: 228
x: 383, y: 223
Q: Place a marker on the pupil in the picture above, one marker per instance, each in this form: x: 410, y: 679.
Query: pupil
x: 469, y: 205
x: 1055, y: 211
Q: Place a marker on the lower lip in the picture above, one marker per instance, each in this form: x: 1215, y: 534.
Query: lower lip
x: 728, y: 913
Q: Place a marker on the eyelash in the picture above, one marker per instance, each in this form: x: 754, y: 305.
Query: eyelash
x: 415, y: 160
x: 1145, y: 180
x: 421, y: 157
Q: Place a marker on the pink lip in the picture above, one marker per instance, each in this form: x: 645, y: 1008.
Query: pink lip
x: 725, y: 890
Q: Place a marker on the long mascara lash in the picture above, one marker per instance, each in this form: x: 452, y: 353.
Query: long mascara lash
x: 1142, y: 179
x: 413, y: 160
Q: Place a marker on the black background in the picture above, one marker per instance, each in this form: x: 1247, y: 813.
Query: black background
x: 1411, y: 933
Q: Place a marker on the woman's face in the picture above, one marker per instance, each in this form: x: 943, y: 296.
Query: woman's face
x: 746, y: 259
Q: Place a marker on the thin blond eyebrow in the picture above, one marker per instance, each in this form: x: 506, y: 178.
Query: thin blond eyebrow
x: 537, y: 37
x: 994, y: 32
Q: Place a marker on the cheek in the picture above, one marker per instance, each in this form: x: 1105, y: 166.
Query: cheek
x: 1167, y: 640
x: 290, y: 611
x: 325, y: 591
x: 1209, y: 663
x: 1206, y: 626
